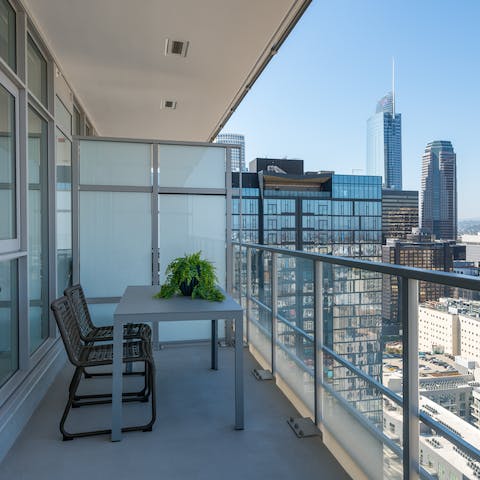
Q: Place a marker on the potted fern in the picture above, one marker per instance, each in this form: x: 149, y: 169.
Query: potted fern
x: 192, y: 276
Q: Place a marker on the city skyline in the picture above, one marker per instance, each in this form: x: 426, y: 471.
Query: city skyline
x: 324, y: 81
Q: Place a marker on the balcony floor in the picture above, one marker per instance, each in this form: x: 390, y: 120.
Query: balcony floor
x: 193, y: 437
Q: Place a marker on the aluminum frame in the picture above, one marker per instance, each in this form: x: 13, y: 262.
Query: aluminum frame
x: 408, y: 283
x: 154, y: 190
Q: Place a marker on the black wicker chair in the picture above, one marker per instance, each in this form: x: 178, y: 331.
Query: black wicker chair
x: 90, y: 333
x: 83, y: 356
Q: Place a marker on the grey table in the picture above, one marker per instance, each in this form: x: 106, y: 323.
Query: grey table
x: 138, y: 305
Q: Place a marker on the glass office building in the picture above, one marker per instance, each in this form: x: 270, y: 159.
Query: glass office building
x: 438, y: 194
x: 384, y: 143
x: 399, y: 213
x: 331, y: 214
x: 238, y: 154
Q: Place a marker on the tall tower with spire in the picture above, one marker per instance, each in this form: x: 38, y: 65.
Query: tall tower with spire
x: 384, y: 141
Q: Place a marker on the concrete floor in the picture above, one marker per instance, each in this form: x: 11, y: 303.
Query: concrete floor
x: 193, y: 437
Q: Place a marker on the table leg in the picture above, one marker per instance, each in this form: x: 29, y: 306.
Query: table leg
x: 239, y: 405
x: 214, y: 345
x: 117, y: 381
x: 155, y: 336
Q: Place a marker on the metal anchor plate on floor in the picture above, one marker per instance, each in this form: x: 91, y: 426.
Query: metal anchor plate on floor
x: 260, y: 374
x: 303, y: 427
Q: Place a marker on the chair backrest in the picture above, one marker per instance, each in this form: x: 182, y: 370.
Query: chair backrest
x: 77, y: 299
x: 67, y: 324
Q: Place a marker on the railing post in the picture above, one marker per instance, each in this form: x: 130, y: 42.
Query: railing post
x: 408, y: 289
x: 318, y: 338
x: 274, y: 283
x: 249, y: 292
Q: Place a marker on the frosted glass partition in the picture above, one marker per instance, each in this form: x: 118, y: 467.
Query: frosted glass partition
x: 115, y: 242
x: 125, y: 218
x: 115, y: 163
x: 191, y: 167
x: 187, y: 224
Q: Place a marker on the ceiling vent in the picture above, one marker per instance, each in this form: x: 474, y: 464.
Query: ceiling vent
x: 177, y: 48
x: 169, y: 104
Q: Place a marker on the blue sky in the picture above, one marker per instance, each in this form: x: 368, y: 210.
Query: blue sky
x: 314, y: 98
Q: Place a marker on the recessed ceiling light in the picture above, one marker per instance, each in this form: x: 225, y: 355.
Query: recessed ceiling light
x: 169, y: 104
x: 176, y: 48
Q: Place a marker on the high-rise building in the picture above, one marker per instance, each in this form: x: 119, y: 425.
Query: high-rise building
x: 325, y: 213
x: 430, y: 255
x: 438, y: 194
x: 238, y: 154
x: 384, y: 143
x: 399, y: 213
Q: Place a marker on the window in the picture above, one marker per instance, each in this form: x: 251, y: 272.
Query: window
x: 36, y: 72
x: 76, y: 130
x: 7, y: 34
x: 8, y: 163
x: 63, y: 116
x: 8, y: 320
x: 64, y: 212
x: 37, y: 230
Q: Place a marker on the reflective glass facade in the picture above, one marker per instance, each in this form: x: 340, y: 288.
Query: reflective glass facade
x: 384, y: 144
x: 340, y: 215
x: 438, y: 194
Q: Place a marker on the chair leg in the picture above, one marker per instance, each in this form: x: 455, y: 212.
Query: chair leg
x: 109, y: 374
x: 104, y: 398
x: 72, y: 390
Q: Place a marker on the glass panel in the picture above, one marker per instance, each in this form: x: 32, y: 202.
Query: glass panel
x: 194, y: 167
x: 295, y: 326
x: 8, y: 320
x: 438, y: 456
x: 63, y: 117
x: 37, y: 229
x: 352, y: 329
x: 8, y: 207
x: 262, y: 277
x: 115, y: 163
x: 7, y: 34
x: 64, y: 212
x: 76, y: 122
x: 375, y: 448
x: 36, y: 72
x: 115, y: 242
x: 189, y: 223
x: 260, y: 332
x: 448, y: 342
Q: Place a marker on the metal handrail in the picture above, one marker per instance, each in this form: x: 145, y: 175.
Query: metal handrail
x: 432, y: 276
x: 412, y: 415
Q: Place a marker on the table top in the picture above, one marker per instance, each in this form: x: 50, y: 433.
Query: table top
x: 138, y: 304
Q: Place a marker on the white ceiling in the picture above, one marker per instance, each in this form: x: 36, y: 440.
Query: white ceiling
x: 112, y: 54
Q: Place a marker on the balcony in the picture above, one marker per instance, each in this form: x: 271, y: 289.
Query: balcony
x: 336, y: 369
x: 83, y: 201
x: 193, y: 436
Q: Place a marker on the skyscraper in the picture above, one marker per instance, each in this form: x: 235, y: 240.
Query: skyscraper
x: 325, y: 213
x: 438, y: 193
x: 238, y: 154
x: 384, y: 143
x: 420, y: 252
x: 399, y: 213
